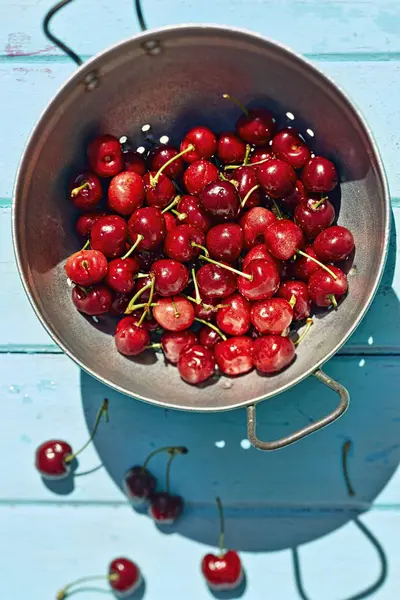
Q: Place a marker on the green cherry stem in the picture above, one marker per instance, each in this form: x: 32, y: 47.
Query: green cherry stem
x: 293, y: 301
x: 221, y: 540
x: 172, y: 204
x: 194, y: 245
x: 214, y: 262
x: 180, y: 216
x: 86, y: 246
x: 139, y: 238
x: 196, y: 287
x: 103, y: 410
x: 333, y: 300
x: 177, y: 314
x: 345, y: 454
x: 309, y: 323
x: 129, y: 308
x: 77, y: 190
x: 237, y: 102
x: 317, y: 262
x: 318, y: 204
x: 169, y: 449
x: 277, y: 209
x: 213, y: 327
x: 254, y: 164
x: 247, y: 155
x: 65, y: 590
x: 154, y: 180
x: 155, y: 346
x: 247, y: 196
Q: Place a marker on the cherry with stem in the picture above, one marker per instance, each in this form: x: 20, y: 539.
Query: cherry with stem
x: 154, y: 180
x: 213, y: 327
x: 247, y: 196
x: 227, y: 267
x: 317, y: 262
x: 64, y: 592
x: 165, y: 507
x: 309, y: 323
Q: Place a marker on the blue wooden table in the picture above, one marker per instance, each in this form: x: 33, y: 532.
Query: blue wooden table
x: 300, y: 534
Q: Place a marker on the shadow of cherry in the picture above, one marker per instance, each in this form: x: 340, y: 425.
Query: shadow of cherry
x: 65, y: 486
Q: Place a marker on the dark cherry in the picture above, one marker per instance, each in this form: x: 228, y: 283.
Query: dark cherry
x: 148, y: 222
x: 313, y: 217
x: 221, y: 200
x: 223, y: 572
x: 165, y: 508
x: 109, y: 235
x: 86, y: 267
x: 204, y: 142
x: 299, y: 290
x: 162, y: 154
x: 179, y: 243
x: 146, y: 258
x: 121, y: 272
x: 320, y: 175
x: 225, y: 242
x: 198, y: 175
x: 135, y: 163
x: 171, y: 277
x: 105, y: 156
x: 94, y: 301
x: 120, y: 303
x: 234, y: 356
x: 131, y: 339
x: 234, y: 317
x: 50, y: 459
x: 85, y: 191
x: 196, y: 364
x: 260, y: 251
x: 324, y: 290
x: 160, y: 192
x: 175, y: 342
x: 191, y: 213
x: 170, y: 221
x: 246, y: 178
x: 298, y: 195
x: 261, y: 154
x: 255, y: 223
x: 264, y: 283
x: 139, y: 285
x: 272, y: 353
x: 283, y: 238
x: 129, y: 577
x: 230, y: 148
x: 85, y: 223
x: 277, y: 178
x: 209, y: 337
x: 256, y: 127
x: 139, y: 485
x: 305, y: 267
x: 215, y: 281
x: 288, y: 145
x: 175, y: 313
x: 334, y: 244
x: 271, y: 316
x: 126, y: 193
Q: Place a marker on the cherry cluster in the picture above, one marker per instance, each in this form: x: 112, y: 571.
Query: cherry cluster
x: 220, y: 246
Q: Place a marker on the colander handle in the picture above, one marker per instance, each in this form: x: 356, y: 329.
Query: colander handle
x: 301, y: 433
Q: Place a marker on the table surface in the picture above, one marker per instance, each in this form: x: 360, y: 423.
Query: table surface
x: 289, y: 513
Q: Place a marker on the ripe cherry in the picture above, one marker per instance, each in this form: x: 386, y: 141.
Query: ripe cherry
x: 109, y: 235
x: 119, y: 304
x: 261, y: 154
x: 196, y: 364
x: 264, y: 282
x: 234, y: 355
x: 283, y: 238
x: 165, y: 508
x: 204, y: 142
x: 313, y: 216
x: 271, y: 316
x: 148, y: 222
x: 272, y: 353
x: 105, y: 156
x: 139, y: 485
x: 171, y: 277
x: 159, y: 189
x: 290, y: 147
x: 334, y: 244
x: 85, y: 223
x: 221, y: 200
x: 146, y: 258
x: 246, y: 178
x: 121, y: 272
x: 93, y: 301
x: 162, y: 154
x: 126, y: 193
x: 170, y: 221
x: 320, y: 175
x: 234, y: 317
x: 130, y: 337
x: 255, y: 223
x: 230, y: 148
x: 209, y: 337
x: 277, y: 178
x: 198, y: 175
x: 304, y: 266
x: 182, y: 243
x: 297, y: 196
x: 86, y: 267
x: 191, y: 213
x: 175, y: 313
x: 215, y: 281
x: 298, y: 289
x: 175, y: 342
x: 85, y: 191
x: 260, y: 251
x: 207, y: 310
x: 225, y: 242
x: 134, y: 162
x: 324, y: 289
x: 256, y: 125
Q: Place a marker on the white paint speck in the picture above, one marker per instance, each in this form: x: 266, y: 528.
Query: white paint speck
x: 245, y: 444
x: 370, y: 340
x: 220, y: 444
x: 361, y: 363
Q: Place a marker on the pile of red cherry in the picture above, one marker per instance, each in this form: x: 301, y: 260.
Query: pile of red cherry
x: 233, y: 231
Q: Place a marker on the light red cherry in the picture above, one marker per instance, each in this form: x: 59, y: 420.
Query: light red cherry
x: 272, y: 353
x: 109, y: 235
x: 130, y: 337
x: 196, y: 364
x: 174, y: 313
x: 182, y: 243
x: 121, y: 273
x: 148, y: 222
x: 105, y: 156
x: 271, y: 316
x: 234, y: 355
x: 260, y: 251
x: 159, y: 189
x: 254, y: 224
x: 234, y: 317
x: 175, y: 342
x: 264, y: 280
x: 50, y: 459
x: 126, y: 193
x: 283, y: 238
x: 86, y: 267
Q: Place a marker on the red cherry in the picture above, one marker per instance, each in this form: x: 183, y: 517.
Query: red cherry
x: 297, y: 196
x: 165, y: 508
x: 256, y: 127
x: 283, y: 238
x: 50, y: 459
x: 159, y: 190
x: 181, y: 243
x: 85, y: 223
x: 120, y: 276
x: 148, y: 222
x: 170, y: 221
x: 230, y: 148
x: 198, y: 175
x: 215, y: 281
x: 246, y: 178
x: 225, y: 242
x: 234, y: 356
x: 175, y: 313
x: 135, y: 163
x: 86, y: 267
x: 85, y: 191
x: 131, y: 339
x: 290, y: 147
x: 264, y: 283
x: 171, y: 277
x: 263, y: 153
x: 222, y: 572
x: 109, y: 235
x: 299, y: 290
x: 162, y: 154
x: 221, y: 200
x: 260, y: 251
x: 129, y: 577
x: 334, y: 244
x: 94, y: 301
x: 234, y: 318
x: 105, y: 156
x: 320, y: 175
x: 314, y: 217
x: 206, y: 311
x: 204, y: 142
x: 196, y: 364
x: 139, y: 485
x: 255, y: 224
x: 209, y: 337
x: 192, y: 213
x: 324, y: 290
x: 175, y: 342
x: 304, y: 267
x: 141, y: 283
x: 126, y: 193
x: 271, y: 316
x: 277, y: 178
x: 272, y: 353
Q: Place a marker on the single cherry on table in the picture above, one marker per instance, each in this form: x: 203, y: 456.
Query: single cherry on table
x: 165, y: 507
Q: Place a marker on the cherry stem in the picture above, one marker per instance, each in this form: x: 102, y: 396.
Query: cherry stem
x: 214, y: 262
x: 194, y: 245
x: 131, y: 304
x: 318, y: 204
x: 221, y: 540
x: 155, y: 346
x: 247, y: 155
x: 213, y: 327
x: 173, y: 452
x: 222, y: 176
x: 345, y: 453
x: 309, y: 323
x: 277, y: 209
x: 176, y: 311
x: 141, y: 275
x: 196, y: 287
x: 143, y: 305
x: 237, y: 102
x: 154, y: 180
x: 254, y: 164
x: 86, y: 245
x: 102, y: 410
x: 140, y: 237
x: 170, y: 449
x: 76, y: 190
x: 249, y: 193
x: 293, y: 301
x: 172, y: 204
x: 146, y: 309
x: 64, y: 592
x: 180, y: 216
x: 333, y: 300
x: 317, y: 262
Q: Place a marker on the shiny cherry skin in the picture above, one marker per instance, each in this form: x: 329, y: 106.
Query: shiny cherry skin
x: 223, y: 572
x: 162, y: 154
x: 94, y: 301
x: 305, y: 267
x: 178, y: 243
x: 105, y: 156
x: 198, y: 175
x: 191, y: 213
x: 234, y: 317
x: 225, y: 242
x: 171, y: 277
x: 299, y: 290
x: 121, y: 272
x: 209, y: 337
x: 272, y: 353
x: 170, y: 221
x: 260, y: 251
x: 277, y: 178
x: 247, y: 179
x: 50, y: 459
x: 271, y: 316
x: 322, y: 286
x: 234, y: 355
x: 207, y: 310
x: 129, y: 577
x: 261, y: 154
x: 288, y: 145
x: 139, y: 485
x: 264, y: 283
x: 256, y: 127
x: 320, y: 175
x: 125, y: 193
x: 298, y: 195
x: 283, y: 238
x: 334, y: 244
x: 175, y: 313
x: 149, y: 222
x: 215, y: 281
x: 130, y: 339
x: 165, y: 508
x: 109, y: 235
x: 312, y: 218
x: 175, y: 342
x: 160, y: 193
x: 135, y: 163
x: 85, y: 222
x: 230, y: 148
x: 220, y: 199
x: 196, y: 364
x: 255, y: 223
x: 86, y: 267
x: 119, y: 304
x: 90, y: 196
x: 204, y: 142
